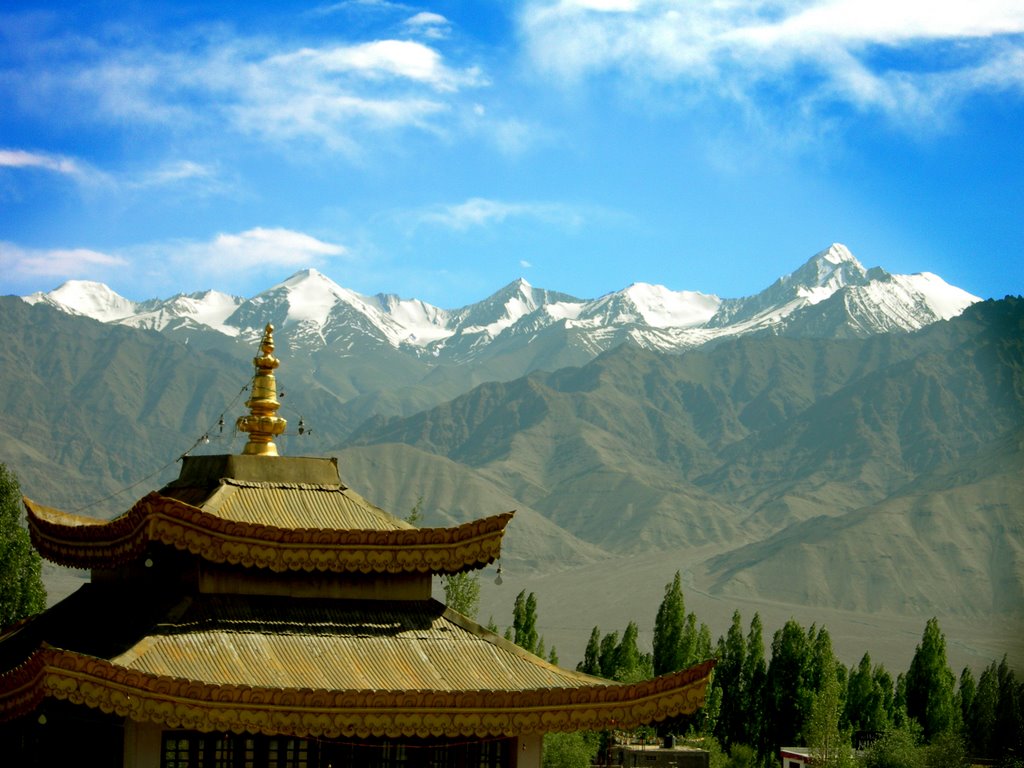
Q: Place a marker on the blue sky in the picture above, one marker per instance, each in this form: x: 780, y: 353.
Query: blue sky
x: 441, y: 150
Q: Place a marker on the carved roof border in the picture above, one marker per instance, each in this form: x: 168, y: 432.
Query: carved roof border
x: 81, y: 542
x: 305, y: 713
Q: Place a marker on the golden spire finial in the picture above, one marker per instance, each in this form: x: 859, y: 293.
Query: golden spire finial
x: 262, y: 423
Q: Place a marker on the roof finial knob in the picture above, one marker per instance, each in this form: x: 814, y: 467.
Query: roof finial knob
x: 263, y: 424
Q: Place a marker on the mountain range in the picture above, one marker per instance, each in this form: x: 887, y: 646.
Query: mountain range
x: 831, y: 295
x: 846, y: 441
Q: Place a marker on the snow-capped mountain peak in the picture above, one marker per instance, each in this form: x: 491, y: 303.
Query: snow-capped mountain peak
x: 825, y: 273
x: 311, y: 295
x: 831, y: 294
x: 663, y: 308
x: 85, y: 297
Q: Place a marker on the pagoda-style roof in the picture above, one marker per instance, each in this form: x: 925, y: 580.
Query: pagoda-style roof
x: 313, y: 668
x: 276, y: 513
x: 257, y: 593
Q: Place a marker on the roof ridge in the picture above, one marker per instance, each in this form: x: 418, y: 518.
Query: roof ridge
x: 283, y: 485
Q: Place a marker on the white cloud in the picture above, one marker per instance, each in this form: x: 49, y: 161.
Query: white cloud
x: 258, y: 248
x: 66, y: 166
x: 481, y: 212
x: 178, y: 172
x: 525, y: 264
x: 227, y: 261
x: 56, y: 263
x: 18, y: 158
x: 819, y: 51
x: 338, y: 95
x: 400, y: 59
x: 431, y: 25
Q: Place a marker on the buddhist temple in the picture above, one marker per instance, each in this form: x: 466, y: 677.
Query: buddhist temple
x: 257, y: 612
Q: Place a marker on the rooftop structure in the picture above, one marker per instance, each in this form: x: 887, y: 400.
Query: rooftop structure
x: 258, y: 612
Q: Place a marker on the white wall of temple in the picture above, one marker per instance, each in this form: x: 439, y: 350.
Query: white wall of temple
x: 528, y: 751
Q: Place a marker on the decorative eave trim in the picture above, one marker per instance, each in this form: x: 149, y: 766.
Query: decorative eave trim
x: 307, y: 713
x: 80, y: 542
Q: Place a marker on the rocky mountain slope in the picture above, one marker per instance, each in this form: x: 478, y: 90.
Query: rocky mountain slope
x: 838, y: 446
x: 818, y: 472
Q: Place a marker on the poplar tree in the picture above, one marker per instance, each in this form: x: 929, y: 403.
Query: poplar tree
x: 629, y: 662
x: 829, y: 745
x: 930, y: 684
x: 788, y: 695
x: 591, y: 663
x: 524, y: 621
x: 668, y: 629
x: 732, y: 654
x: 754, y: 677
x: 866, y: 698
x: 608, y: 654
x: 21, y: 586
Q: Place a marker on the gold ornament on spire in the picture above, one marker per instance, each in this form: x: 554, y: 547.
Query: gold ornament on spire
x: 263, y: 424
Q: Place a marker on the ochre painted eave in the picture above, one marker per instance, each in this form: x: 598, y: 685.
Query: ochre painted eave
x: 79, y: 542
x: 303, y: 713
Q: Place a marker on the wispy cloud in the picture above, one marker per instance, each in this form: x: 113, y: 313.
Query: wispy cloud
x: 804, y: 55
x: 60, y: 164
x: 334, y: 94
x: 229, y: 261
x: 174, y: 173
x: 481, y: 212
x: 431, y: 25
x: 254, y: 249
x: 58, y: 264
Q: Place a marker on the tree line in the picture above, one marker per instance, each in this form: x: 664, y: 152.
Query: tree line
x: 800, y: 694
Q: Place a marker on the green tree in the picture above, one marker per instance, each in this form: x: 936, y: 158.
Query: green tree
x: 462, y: 593
x: 866, y: 699
x: 930, y: 684
x: 754, y: 677
x: 21, y: 586
x: 965, y: 697
x: 591, y: 663
x: 897, y: 748
x: 982, y: 722
x: 788, y: 691
x: 668, y: 629
x: 629, y: 666
x: 416, y: 513
x: 947, y: 750
x: 608, y: 656
x: 1009, y: 715
x: 885, y: 685
x: 731, y: 655
x: 524, y: 621
x: 829, y: 746
x: 569, y: 750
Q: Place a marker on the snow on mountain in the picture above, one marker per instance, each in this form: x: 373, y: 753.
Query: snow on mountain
x: 658, y: 307
x: 944, y: 300
x: 84, y: 297
x: 424, y: 322
x: 207, y: 308
x: 831, y: 294
x: 505, y: 308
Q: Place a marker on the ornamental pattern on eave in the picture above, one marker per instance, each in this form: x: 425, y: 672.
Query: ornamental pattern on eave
x: 305, y: 713
x: 79, y: 542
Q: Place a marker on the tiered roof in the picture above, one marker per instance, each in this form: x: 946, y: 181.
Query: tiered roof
x: 290, y: 626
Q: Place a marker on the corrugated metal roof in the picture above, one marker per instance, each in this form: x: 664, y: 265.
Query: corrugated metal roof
x: 289, y: 505
x: 348, y: 646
